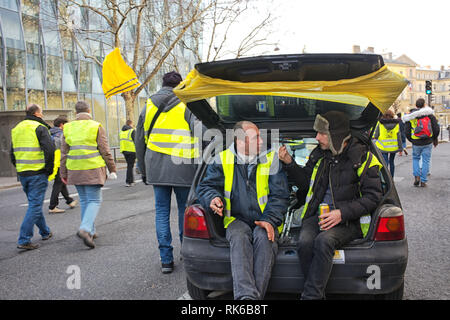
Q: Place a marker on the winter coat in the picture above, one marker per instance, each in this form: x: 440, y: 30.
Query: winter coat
x: 159, y: 168
x: 92, y: 176
x: 56, y: 133
x: 47, y: 146
x: 244, y: 200
x: 346, y: 186
x: 417, y: 114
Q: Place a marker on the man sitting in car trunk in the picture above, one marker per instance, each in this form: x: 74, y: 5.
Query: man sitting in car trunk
x: 250, y: 190
x: 342, y: 173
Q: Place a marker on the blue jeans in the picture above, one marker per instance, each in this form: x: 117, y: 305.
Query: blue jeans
x: 34, y: 187
x: 424, y: 153
x: 389, y: 158
x: 162, y: 218
x: 90, y: 202
x: 252, y: 258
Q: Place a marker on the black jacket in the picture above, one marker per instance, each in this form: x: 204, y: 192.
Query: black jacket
x: 46, y: 144
x: 244, y: 200
x: 346, y: 186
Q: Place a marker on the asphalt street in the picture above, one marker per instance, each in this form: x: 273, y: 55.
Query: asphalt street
x: 125, y: 263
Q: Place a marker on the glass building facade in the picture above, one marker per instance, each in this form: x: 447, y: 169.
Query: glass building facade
x: 41, y: 64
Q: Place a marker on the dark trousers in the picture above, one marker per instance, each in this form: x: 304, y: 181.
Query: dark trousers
x: 59, y: 187
x: 252, y: 258
x: 316, y: 250
x: 130, y: 158
x: 389, y: 157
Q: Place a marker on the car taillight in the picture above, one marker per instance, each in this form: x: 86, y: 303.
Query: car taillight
x: 390, y: 228
x: 195, y: 223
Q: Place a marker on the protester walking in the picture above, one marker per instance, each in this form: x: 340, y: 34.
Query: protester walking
x: 167, y: 150
x: 388, y: 138
x: 32, y: 153
x: 422, y: 130
x: 129, y: 150
x: 85, y: 154
x: 58, y: 186
x: 403, y: 134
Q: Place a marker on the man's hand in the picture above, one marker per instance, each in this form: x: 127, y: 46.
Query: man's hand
x: 435, y: 142
x: 330, y: 219
x: 269, y: 229
x: 64, y: 180
x: 284, y: 155
x: 112, y: 176
x: 216, y: 205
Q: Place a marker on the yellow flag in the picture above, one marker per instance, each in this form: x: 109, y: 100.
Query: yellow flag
x: 118, y: 77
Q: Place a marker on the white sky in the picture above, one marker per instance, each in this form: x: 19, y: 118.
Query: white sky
x: 397, y: 26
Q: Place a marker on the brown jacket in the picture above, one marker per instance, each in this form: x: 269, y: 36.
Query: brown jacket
x: 92, y: 176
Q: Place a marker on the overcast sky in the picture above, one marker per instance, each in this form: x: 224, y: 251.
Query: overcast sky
x: 419, y: 29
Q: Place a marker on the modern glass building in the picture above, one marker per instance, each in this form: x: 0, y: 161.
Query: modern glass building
x: 41, y: 64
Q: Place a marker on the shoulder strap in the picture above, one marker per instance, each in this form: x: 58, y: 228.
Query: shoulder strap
x: 152, y: 124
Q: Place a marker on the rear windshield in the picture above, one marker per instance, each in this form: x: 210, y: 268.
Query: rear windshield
x: 262, y: 107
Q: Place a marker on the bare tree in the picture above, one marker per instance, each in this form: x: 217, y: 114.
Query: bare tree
x: 228, y: 32
x: 147, y: 32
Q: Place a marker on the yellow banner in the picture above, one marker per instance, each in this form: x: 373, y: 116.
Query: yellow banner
x: 381, y: 88
x: 118, y: 77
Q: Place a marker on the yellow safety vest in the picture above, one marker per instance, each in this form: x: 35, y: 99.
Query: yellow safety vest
x: 171, y: 133
x: 262, y: 183
x: 81, y: 136
x: 388, y: 139
x: 56, y: 164
x: 365, y: 219
x: 26, y: 148
x: 126, y: 142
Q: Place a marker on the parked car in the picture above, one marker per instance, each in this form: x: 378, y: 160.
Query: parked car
x: 283, y: 94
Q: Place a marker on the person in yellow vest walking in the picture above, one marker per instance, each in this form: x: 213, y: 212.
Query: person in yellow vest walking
x: 342, y: 173
x: 128, y: 149
x: 58, y: 185
x: 249, y: 189
x: 388, y: 138
x: 85, y: 154
x: 32, y: 153
x: 167, y: 150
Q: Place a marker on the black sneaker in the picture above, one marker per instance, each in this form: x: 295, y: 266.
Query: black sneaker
x: 416, y: 181
x: 167, y: 267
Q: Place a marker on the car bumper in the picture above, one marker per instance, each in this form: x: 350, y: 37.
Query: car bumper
x: 376, y: 268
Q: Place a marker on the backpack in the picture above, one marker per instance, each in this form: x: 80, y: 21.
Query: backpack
x: 423, y: 129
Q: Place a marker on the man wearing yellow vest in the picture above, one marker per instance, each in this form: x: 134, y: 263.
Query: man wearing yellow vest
x: 85, y: 154
x: 342, y: 173
x: 167, y: 150
x: 250, y: 190
x: 128, y: 149
x: 388, y: 138
x: 32, y: 153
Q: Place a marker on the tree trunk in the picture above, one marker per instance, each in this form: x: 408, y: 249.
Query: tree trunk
x: 129, y: 98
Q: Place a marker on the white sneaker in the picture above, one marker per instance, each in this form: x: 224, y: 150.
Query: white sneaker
x: 56, y: 210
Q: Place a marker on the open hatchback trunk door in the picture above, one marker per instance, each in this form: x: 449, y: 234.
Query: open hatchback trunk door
x: 278, y: 91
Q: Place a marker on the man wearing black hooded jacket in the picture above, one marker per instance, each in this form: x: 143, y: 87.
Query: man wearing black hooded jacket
x: 342, y: 173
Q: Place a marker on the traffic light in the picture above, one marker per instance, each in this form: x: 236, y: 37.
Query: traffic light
x: 428, y: 87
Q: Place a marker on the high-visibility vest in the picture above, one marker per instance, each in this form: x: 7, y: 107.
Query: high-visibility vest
x: 26, y: 148
x: 388, y: 139
x: 171, y: 133
x: 126, y: 142
x: 56, y: 164
x: 365, y: 219
x: 81, y: 136
x: 262, y: 183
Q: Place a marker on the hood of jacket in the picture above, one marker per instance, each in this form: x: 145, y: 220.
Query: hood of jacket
x: 422, y: 112
x: 56, y: 132
x: 389, y: 124
x: 125, y: 128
